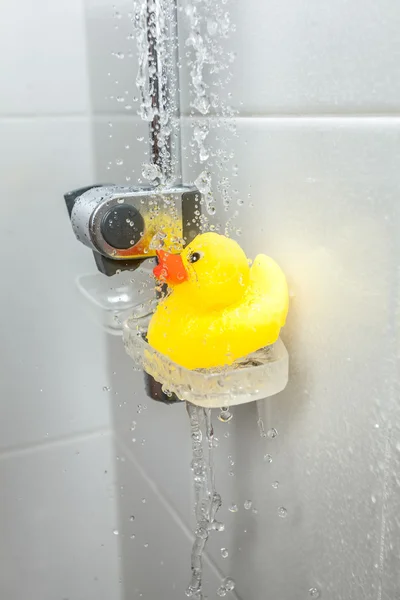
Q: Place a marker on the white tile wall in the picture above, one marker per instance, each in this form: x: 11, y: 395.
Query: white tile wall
x: 324, y: 196
x: 316, y: 57
x: 57, y: 522
x: 156, y: 562
x: 121, y: 147
x: 111, y: 57
x: 58, y: 508
x: 43, y: 69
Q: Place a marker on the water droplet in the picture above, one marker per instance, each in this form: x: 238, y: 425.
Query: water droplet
x: 373, y: 499
x: 314, y: 592
x: 272, y: 433
x: 222, y: 591
x: 227, y: 585
x: 106, y: 388
x: 233, y: 508
x: 146, y: 545
x: 119, y: 162
x: 151, y: 171
x: 261, y: 428
x: 267, y: 458
x: 132, y: 536
x: 132, y: 518
x: 115, y: 532
x: 248, y: 504
x: 275, y: 484
x: 133, y: 426
x: 158, y: 240
x: 282, y: 512
x: 224, y: 553
x: 225, y: 415
x: 143, y: 500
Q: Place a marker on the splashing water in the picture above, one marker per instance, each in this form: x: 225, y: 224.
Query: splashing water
x: 155, y: 24
x: 209, y: 61
x: 207, y: 500
x: 228, y: 585
x: 225, y: 415
x: 154, y: 27
x: 261, y: 427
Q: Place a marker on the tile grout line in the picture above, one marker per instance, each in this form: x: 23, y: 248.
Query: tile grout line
x: 15, y: 118
x: 296, y: 116
x: 120, y: 118
x: 62, y: 440
x: 167, y: 505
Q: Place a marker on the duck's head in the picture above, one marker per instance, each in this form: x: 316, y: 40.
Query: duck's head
x: 211, y: 271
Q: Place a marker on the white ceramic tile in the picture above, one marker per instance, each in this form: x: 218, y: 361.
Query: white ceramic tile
x: 43, y: 65
x: 53, y: 357
x: 390, y: 469
x: 311, y: 57
x: 156, y: 561
x: 157, y: 435
x: 324, y: 197
x: 111, y: 56
x: 120, y: 146
x: 58, y: 516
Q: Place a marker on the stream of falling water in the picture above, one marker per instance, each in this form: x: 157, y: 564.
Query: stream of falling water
x: 208, y: 62
x: 207, y: 499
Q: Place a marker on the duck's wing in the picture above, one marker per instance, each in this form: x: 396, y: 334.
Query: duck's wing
x: 268, y: 281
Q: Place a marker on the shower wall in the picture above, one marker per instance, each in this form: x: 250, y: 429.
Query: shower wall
x: 316, y: 87
x: 57, y: 504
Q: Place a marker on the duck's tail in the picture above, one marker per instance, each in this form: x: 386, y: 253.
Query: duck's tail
x: 268, y: 280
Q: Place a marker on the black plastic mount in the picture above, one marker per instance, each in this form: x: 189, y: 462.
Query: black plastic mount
x: 154, y: 390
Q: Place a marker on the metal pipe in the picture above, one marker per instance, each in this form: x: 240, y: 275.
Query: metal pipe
x: 163, y: 86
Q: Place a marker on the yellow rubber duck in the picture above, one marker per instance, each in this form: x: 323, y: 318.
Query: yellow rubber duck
x: 219, y: 308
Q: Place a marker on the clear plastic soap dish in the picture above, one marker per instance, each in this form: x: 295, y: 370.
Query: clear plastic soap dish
x: 111, y: 300
x: 257, y: 376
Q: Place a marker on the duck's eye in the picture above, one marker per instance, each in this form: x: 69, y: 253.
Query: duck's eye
x: 194, y: 257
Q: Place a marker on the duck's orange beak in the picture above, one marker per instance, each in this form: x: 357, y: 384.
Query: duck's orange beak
x: 170, y: 268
